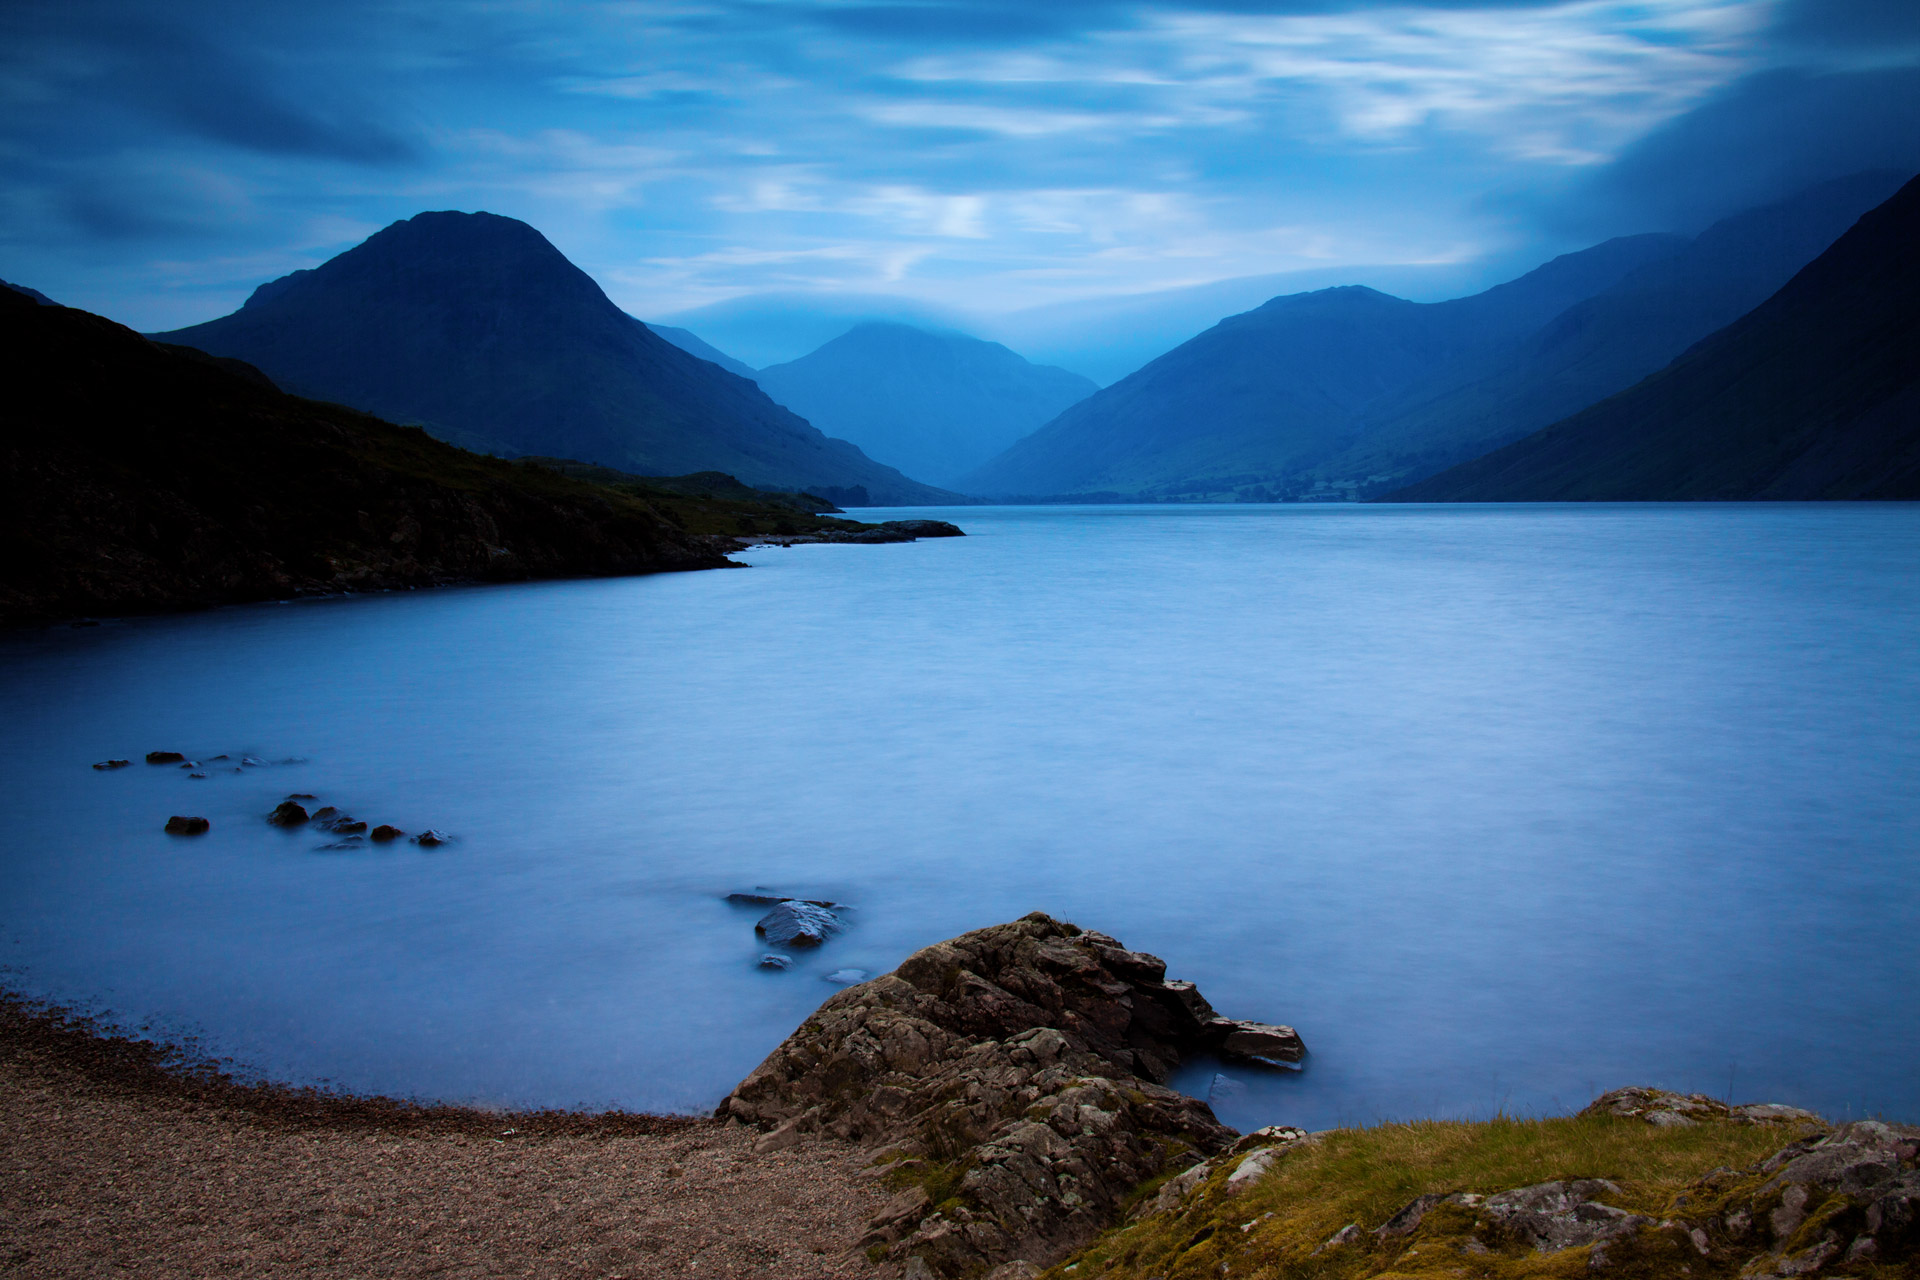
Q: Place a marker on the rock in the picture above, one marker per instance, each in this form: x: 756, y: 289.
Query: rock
x: 351, y: 842
x: 1349, y: 1234
x: 1660, y: 1107
x: 787, y: 1135
x: 771, y: 961
x: 1176, y: 1189
x: 847, y: 977
x: 1552, y: 1216
x: 325, y: 813
x: 197, y: 775
x: 1270, y: 1136
x: 794, y: 923
x: 755, y: 899
x: 429, y: 838
x: 191, y: 764
x: 923, y: 528
x: 1257, y: 1042
x: 383, y: 833
x: 113, y: 764
x: 251, y: 763
x: 1023, y: 1067
x: 164, y: 757
x: 1018, y: 1269
x: 344, y: 825
x: 302, y: 795
x: 1250, y: 1169
x: 288, y: 813
x: 1407, y: 1220
x: 179, y: 826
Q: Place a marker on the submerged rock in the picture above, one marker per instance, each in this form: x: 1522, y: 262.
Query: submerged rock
x: 429, y: 838
x: 113, y: 764
x: 771, y: 961
x: 179, y: 826
x: 344, y: 825
x: 1019, y: 1068
x: 288, y: 814
x: 795, y: 923
x: 164, y: 757
x: 383, y: 833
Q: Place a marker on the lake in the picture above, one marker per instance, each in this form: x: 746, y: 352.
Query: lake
x: 1500, y: 806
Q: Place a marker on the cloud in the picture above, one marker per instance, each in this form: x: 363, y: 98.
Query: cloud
x: 1765, y: 137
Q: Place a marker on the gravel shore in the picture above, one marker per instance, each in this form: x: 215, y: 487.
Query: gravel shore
x: 118, y: 1158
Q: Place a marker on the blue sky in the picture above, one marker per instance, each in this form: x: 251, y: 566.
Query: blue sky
x: 162, y: 159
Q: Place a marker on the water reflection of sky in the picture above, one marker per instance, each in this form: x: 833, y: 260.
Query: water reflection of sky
x: 1501, y: 808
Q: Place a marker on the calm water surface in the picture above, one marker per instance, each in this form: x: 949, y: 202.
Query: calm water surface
x: 1500, y: 807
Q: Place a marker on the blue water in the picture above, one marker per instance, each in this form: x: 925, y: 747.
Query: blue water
x: 1501, y: 807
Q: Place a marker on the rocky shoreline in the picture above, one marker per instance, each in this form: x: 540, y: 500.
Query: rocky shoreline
x: 993, y: 1107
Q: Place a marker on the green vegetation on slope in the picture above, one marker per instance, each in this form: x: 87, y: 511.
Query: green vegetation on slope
x: 1278, y: 1228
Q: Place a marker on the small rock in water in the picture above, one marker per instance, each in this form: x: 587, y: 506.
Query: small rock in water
x: 113, y: 764
x: 744, y: 899
x: 383, y: 833
x: 351, y: 842
x: 287, y: 814
x: 191, y: 764
x: 771, y: 961
x: 179, y: 826
x: 798, y: 924
x: 1223, y: 1088
x: 302, y: 795
x: 164, y: 757
x: 250, y: 762
x: 345, y: 826
x: 430, y: 838
x: 197, y: 775
x: 848, y: 977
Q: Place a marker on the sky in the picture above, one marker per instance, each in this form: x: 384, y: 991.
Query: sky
x: 974, y: 157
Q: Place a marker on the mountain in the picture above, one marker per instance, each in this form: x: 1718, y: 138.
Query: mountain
x: 694, y: 345
x: 477, y: 328
x: 1274, y: 390
x: 1609, y: 341
x: 1814, y: 394
x: 935, y: 405
x: 138, y: 476
x: 35, y: 294
x: 773, y: 328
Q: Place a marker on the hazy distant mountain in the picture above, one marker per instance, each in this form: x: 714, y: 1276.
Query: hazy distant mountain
x: 692, y: 343
x: 1611, y: 340
x: 480, y: 330
x: 1335, y: 395
x: 1814, y: 394
x: 35, y: 294
x: 935, y: 405
x: 1268, y: 393
x: 773, y: 328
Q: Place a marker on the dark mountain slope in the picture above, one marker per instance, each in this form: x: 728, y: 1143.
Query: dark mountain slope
x: 477, y: 328
x: 935, y: 405
x: 1815, y: 394
x: 134, y: 477
x: 1270, y: 392
x: 1613, y: 339
x: 694, y: 345
x: 35, y: 294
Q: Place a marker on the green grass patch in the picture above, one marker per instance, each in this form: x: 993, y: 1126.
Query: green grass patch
x: 1365, y: 1176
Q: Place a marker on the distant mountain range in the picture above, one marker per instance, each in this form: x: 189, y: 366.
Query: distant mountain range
x: 935, y: 405
x: 693, y: 344
x: 1814, y: 394
x: 478, y: 329
x: 1348, y: 392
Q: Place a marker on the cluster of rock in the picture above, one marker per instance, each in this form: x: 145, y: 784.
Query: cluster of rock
x: 1831, y: 1202
x: 352, y: 831
x: 1014, y: 1079
x: 794, y: 923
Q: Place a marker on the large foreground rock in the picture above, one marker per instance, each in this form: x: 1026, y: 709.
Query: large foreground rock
x: 1013, y: 1078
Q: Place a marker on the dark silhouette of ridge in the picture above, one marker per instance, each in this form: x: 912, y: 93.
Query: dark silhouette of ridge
x: 475, y: 327
x: 137, y: 476
x: 1814, y: 394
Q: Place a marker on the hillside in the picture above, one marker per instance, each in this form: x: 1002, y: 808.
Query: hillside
x: 694, y: 345
x: 935, y: 405
x: 1814, y: 394
x: 1264, y: 395
x: 1610, y: 341
x: 136, y: 477
x: 478, y: 329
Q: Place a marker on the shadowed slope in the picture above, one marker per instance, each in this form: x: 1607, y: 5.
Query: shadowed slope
x: 1815, y: 394
x: 134, y: 476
